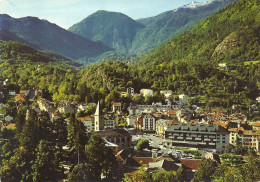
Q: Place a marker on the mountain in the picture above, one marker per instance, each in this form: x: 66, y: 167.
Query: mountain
x: 115, y: 30
x: 41, y: 34
x: 164, y: 26
x: 195, y: 4
x: 189, y: 62
x: 130, y: 36
x: 230, y: 36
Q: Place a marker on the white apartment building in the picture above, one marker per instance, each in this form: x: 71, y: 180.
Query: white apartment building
x: 201, y: 136
x: 146, y: 92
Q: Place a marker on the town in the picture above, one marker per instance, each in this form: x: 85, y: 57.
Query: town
x: 163, y: 136
x: 133, y: 91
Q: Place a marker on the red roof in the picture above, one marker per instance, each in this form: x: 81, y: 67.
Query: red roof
x: 172, y: 112
x: 190, y: 163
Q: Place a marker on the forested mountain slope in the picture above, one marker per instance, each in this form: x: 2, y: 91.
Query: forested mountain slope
x: 113, y: 29
x: 44, y: 35
x: 164, y: 26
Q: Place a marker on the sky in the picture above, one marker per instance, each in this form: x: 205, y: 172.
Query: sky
x: 65, y: 13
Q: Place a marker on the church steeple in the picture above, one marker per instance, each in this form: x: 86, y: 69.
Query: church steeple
x: 99, y: 118
x: 97, y: 110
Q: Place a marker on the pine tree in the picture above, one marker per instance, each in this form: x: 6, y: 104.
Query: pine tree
x: 77, y: 138
x: 45, y: 167
x: 99, y: 158
x: 61, y: 133
x: 29, y: 137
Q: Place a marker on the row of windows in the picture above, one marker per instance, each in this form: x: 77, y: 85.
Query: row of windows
x: 148, y: 119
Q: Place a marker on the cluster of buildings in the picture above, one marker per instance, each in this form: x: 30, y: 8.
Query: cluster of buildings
x: 129, y: 161
x: 179, y: 125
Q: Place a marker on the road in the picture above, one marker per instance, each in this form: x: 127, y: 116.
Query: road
x: 153, y: 140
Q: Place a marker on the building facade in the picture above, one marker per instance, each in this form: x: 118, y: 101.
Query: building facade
x: 88, y: 122
x: 183, y: 99
x: 117, y: 106
x: 130, y: 91
x: 146, y: 92
x: 120, y: 137
x: 239, y: 136
x: 149, y: 122
x: 201, y: 136
x: 166, y: 93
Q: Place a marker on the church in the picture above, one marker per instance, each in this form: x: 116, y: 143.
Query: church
x: 103, y: 121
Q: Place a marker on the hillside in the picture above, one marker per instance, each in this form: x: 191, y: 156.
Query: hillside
x: 41, y: 34
x: 232, y: 34
x: 189, y: 62
x: 186, y: 64
x: 19, y: 53
x: 27, y: 68
x: 109, y: 56
x: 115, y: 30
x: 168, y: 24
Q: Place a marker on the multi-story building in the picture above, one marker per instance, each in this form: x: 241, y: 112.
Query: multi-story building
x: 109, y: 121
x: 120, y: 137
x: 240, y: 136
x: 45, y: 105
x: 69, y: 108
x: 130, y: 91
x: 145, y: 122
x: 162, y: 125
x: 155, y: 107
x: 116, y: 106
x: 149, y: 122
x: 130, y: 120
x: 202, y: 136
x: 166, y: 93
x: 146, y: 92
x: 88, y: 122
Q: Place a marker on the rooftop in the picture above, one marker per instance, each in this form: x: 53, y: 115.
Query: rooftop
x: 190, y: 163
x: 11, y: 126
x: 117, y: 103
x: 114, y: 132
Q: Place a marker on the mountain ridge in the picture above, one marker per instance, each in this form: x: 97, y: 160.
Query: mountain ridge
x: 42, y: 34
x: 114, y: 29
x: 136, y: 37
